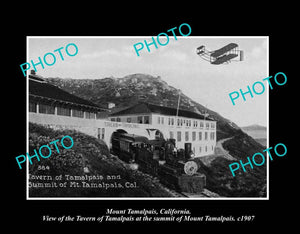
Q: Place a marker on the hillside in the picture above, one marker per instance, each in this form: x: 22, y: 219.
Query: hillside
x: 88, y: 157
x: 128, y: 90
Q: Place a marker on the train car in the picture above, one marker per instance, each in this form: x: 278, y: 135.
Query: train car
x: 123, y: 145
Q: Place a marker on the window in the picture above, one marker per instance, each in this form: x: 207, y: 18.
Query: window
x: 178, y: 122
x: 140, y: 119
x: 90, y: 115
x: 212, y: 125
x: 193, y: 136
x: 129, y: 120
x: 146, y: 119
x: 77, y: 113
x: 169, y: 121
x: 178, y: 136
x: 63, y: 111
x: 101, y: 133
x: 46, y: 109
x: 171, y: 135
x: 200, y: 149
x: 201, y: 124
x: 186, y: 136
x: 118, y: 119
x: 32, y: 107
x: 158, y: 119
x: 162, y: 120
x: 212, y: 135
x: 172, y: 121
x: 205, y: 136
x: 207, y: 125
x: 113, y: 119
x: 206, y: 148
x: 200, y: 136
x: 195, y: 123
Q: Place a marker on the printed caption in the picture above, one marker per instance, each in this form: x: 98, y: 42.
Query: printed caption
x: 148, y: 215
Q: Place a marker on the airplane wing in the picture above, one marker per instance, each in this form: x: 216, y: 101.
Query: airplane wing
x: 223, y: 50
x: 224, y: 59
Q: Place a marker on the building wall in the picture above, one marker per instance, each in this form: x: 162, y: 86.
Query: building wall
x: 201, y: 133
x: 144, y: 118
x: 87, y: 126
x: 99, y: 128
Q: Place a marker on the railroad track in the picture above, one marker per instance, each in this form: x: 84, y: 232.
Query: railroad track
x: 204, y: 194
x: 176, y: 194
x: 180, y: 194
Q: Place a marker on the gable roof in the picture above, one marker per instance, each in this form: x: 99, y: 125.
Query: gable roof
x: 143, y: 107
x: 41, y: 89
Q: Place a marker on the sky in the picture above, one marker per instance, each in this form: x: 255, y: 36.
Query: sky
x: 176, y: 63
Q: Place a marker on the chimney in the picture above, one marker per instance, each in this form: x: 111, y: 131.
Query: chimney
x: 35, y: 77
x: 110, y: 105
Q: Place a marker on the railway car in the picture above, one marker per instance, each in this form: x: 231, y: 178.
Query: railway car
x: 124, y: 145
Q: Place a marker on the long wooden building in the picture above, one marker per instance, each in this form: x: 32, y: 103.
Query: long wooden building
x: 45, y: 98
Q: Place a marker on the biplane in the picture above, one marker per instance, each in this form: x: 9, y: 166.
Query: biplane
x: 224, y: 55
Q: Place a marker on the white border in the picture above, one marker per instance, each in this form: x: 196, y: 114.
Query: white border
x: 139, y: 198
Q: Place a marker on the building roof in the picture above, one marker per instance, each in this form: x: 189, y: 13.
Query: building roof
x: 39, y: 88
x: 142, y: 108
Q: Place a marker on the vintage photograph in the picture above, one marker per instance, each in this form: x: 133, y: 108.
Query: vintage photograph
x: 106, y: 123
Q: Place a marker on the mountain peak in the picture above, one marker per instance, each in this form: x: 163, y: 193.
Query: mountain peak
x: 254, y: 127
x: 139, y: 75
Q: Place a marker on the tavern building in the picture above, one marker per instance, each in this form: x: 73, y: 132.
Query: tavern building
x: 184, y: 126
